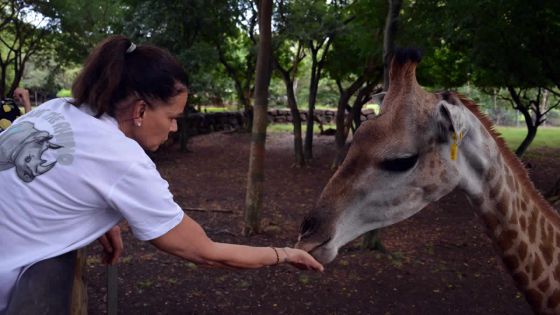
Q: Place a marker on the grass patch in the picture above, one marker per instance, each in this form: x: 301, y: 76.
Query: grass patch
x: 546, y: 137
x: 289, y: 128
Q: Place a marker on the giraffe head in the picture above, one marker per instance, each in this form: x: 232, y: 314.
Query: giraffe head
x: 397, y: 163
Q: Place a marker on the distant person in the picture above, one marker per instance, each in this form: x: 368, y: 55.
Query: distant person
x: 78, y: 168
x: 9, y: 109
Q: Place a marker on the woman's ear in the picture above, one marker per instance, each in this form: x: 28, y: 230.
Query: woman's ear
x: 138, y: 110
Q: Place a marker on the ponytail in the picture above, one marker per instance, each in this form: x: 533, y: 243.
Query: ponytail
x: 117, y: 68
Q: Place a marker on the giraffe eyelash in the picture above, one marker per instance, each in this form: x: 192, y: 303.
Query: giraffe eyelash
x: 399, y: 164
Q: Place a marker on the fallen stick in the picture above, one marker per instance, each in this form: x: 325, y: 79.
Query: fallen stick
x: 207, y: 210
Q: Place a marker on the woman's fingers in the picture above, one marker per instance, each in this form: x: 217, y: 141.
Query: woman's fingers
x: 303, y: 260
x: 112, y: 245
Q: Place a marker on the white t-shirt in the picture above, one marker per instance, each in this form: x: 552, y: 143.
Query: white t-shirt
x: 66, y: 179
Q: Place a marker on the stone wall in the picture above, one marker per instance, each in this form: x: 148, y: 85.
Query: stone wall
x: 201, y: 123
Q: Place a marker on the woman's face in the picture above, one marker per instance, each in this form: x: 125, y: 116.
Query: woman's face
x: 158, y: 121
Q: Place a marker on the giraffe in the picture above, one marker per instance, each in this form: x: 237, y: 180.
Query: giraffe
x: 421, y: 147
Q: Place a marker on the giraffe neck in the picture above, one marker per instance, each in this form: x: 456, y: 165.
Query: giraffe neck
x: 526, y: 231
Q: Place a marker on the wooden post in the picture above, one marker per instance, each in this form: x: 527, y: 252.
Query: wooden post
x: 79, y: 289
x: 112, y: 290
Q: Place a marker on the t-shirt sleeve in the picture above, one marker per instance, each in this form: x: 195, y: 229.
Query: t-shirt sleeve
x: 144, y: 200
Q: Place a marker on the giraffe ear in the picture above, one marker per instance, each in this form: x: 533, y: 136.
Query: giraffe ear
x: 451, y: 119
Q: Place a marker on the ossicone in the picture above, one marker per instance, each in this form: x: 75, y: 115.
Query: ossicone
x: 407, y: 55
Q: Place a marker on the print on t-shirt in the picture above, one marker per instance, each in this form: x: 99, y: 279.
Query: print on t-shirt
x: 22, y: 146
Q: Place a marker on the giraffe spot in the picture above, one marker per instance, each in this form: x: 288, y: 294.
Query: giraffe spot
x: 550, y: 232
x: 510, y: 182
x: 544, y: 285
x: 547, y: 252
x: 534, y: 298
x: 522, y: 250
x: 553, y: 299
x: 537, y: 268
x: 521, y: 279
x: 506, y: 238
x: 523, y: 223
x: 495, y: 191
x: 524, y: 206
x: 556, y: 272
x: 432, y: 164
x: 490, y: 174
x: 428, y: 190
x: 443, y: 176
x: 513, y: 218
x: 533, y: 226
x: 503, y: 205
x: 511, y: 261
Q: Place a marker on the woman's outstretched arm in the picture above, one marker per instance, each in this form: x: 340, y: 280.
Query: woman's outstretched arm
x: 189, y: 241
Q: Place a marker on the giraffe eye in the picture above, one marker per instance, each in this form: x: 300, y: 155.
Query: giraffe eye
x: 399, y: 164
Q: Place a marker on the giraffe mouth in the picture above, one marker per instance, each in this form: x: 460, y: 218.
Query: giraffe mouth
x: 302, y: 245
x: 321, y: 244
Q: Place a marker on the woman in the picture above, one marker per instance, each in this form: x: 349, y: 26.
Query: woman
x: 79, y: 168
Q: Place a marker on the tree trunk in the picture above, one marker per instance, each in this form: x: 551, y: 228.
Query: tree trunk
x: 316, y: 68
x: 531, y: 133
x: 313, y: 87
x: 296, y: 121
x: 341, y: 128
x: 253, y: 199
x: 532, y: 126
x: 389, y: 38
x: 3, y: 80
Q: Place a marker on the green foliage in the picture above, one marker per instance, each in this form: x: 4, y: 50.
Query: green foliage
x: 81, y: 25
x: 359, y: 42
x: 64, y: 93
x: 492, y: 43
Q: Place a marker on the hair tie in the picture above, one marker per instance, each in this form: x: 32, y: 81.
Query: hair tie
x: 131, y: 48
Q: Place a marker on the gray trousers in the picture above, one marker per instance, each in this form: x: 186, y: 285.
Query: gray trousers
x: 44, y: 288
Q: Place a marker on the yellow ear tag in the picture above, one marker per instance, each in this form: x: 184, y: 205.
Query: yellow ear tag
x: 454, y: 146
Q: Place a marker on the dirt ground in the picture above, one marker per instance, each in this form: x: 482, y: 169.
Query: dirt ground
x: 441, y: 260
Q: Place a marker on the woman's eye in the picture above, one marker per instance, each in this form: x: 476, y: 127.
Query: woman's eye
x: 400, y: 164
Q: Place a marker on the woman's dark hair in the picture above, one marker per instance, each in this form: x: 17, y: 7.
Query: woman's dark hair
x: 115, y: 70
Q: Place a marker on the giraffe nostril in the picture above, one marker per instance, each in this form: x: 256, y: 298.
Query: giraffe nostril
x: 307, y: 227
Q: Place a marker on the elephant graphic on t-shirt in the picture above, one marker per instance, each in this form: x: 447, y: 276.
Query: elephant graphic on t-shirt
x: 22, y: 147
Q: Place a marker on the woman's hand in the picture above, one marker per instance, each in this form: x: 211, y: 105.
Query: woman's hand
x: 300, y: 259
x: 112, y: 245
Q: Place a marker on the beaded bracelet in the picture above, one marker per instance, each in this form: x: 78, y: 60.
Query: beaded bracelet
x: 277, y: 256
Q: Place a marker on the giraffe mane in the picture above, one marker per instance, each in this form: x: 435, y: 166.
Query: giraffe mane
x: 519, y: 170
